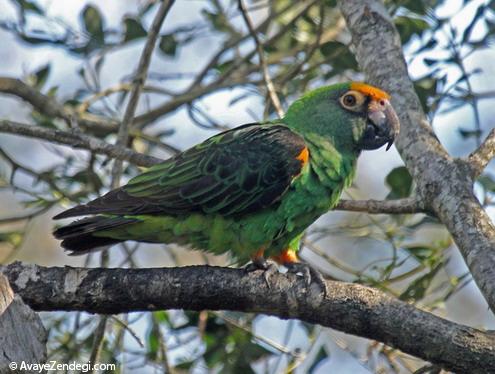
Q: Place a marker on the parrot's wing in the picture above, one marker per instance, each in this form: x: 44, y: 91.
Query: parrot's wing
x: 236, y: 172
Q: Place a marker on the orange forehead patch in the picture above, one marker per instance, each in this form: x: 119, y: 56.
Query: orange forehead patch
x: 368, y: 90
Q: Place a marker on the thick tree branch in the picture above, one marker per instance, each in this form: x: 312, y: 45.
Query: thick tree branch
x: 443, y: 183
x: 351, y: 308
x: 138, y: 84
x: 78, y: 141
x: 23, y: 336
x: 480, y: 158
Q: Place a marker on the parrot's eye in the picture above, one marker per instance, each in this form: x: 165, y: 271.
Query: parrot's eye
x: 349, y: 100
x: 352, y: 100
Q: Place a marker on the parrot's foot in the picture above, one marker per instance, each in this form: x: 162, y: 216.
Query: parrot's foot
x: 309, y: 274
x: 260, y: 263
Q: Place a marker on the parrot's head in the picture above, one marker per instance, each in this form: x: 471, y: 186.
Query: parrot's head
x: 354, y: 116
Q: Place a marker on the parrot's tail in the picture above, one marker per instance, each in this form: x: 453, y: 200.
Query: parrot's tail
x: 81, y: 236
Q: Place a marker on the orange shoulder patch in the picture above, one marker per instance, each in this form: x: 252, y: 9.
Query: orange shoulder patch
x: 303, y: 156
x: 368, y: 90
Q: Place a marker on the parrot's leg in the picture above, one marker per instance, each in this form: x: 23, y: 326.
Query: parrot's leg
x: 289, y: 259
x: 259, y: 262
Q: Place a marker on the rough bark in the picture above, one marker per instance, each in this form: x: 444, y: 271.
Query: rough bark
x: 444, y: 184
x: 351, y: 308
x: 22, y: 335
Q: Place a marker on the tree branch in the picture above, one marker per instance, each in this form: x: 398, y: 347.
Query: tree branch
x: 261, y: 55
x: 139, y: 79
x: 408, y: 205
x: 102, y: 126
x: 443, y: 184
x: 23, y: 336
x: 50, y: 107
x: 351, y: 308
x: 480, y: 158
x: 78, y: 141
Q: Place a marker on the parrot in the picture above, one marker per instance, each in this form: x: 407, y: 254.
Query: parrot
x: 250, y: 191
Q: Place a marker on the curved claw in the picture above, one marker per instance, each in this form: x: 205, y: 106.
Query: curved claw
x: 309, y: 274
x: 260, y: 263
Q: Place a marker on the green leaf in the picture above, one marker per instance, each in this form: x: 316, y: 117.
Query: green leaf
x: 88, y: 177
x: 168, y: 45
x: 40, y: 39
x: 400, y: 182
x: 27, y: 5
x: 320, y: 356
x: 93, y: 23
x: 224, y: 66
x: 13, y: 238
x: 409, y: 26
x: 184, y: 365
x: 487, y: 182
x: 468, y: 30
x: 417, y: 289
x: 133, y: 29
x: 339, y: 56
x: 416, y: 6
x: 43, y: 120
x: 466, y: 134
x: 161, y: 317
x: 426, y: 88
x: 421, y: 252
x: 329, y: 48
x: 430, y: 61
x: 153, y: 343
x: 40, y: 76
x: 217, y: 20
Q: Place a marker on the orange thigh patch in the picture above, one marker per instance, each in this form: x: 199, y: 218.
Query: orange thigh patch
x: 286, y: 256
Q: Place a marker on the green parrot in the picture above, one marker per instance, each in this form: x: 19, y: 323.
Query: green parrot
x: 250, y: 191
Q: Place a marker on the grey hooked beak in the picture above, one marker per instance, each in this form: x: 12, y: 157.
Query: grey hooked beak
x: 382, y: 127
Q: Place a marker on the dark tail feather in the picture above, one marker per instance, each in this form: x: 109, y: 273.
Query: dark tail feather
x: 78, y: 236
x: 79, y: 210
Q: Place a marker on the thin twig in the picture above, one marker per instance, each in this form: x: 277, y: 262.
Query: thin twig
x: 279, y: 347
x: 409, y: 205
x: 51, y: 108
x: 162, y: 344
x: 98, y: 342
x: 480, y: 158
x: 233, y: 42
x: 128, y: 329
x: 264, y: 66
x: 140, y: 78
x: 78, y: 141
